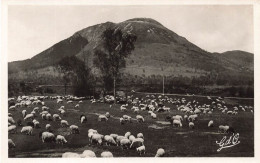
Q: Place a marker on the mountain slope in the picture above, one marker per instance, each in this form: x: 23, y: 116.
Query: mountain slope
x: 158, y: 50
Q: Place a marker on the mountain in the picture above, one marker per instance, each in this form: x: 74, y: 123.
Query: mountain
x: 158, y: 51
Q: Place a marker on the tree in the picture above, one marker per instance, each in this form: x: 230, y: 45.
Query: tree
x: 116, y: 47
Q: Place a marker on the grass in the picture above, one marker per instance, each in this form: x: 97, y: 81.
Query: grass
x: 177, y: 142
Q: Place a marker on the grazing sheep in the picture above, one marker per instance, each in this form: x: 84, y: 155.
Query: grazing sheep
x: 64, y: 123
x: 12, y: 107
x: 60, y: 139
x: 140, y: 118
x: 107, y: 114
x: 93, y: 131
x: 119, y: 138
x: 76, y: 106
x: 127, y: 118
x: 177, y: 123
x: 140, y: 135
x: 36, y: 124
x: 24, y: 113
x: 47, y: 137
x: 113, y: 136
x: 11, y: 120
x: 223, y: 128
x: 88, y: 153
x: 56, y: 117
x: 136, y: 143
x: 102, y: 118
x: 131, y: 138
x: 83, y: 119
x: 127, y: 134
x: 11, y: 144
x: 177, y: 117
x: 106, y: 154
x: 48, y: 117
x: 122, y: 121
x: 193, y: 117
x: 191, y: 125
x: 48, y: 127
x: 74, y: 129
x: 141, y: 149
x: 160, y: 152
x: 210, y: 124
x: 12, y: 129
x: 70, y: 155
x: 153, y: 115
x: 29, y: 116
x: 27, y: 129
x: 97, y: 138
x: 109, y: 140
x: 125, y: 143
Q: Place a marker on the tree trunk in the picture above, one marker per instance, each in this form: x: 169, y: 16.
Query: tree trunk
x: 115, y: 90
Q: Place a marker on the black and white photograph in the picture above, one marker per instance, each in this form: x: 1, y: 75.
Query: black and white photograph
x: 133, y: 81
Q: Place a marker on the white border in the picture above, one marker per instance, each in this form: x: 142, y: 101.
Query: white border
x: 3, y: 82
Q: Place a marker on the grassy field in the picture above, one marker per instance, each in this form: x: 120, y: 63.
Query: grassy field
x: 177, y: 142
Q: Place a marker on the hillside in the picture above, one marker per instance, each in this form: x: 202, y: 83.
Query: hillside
x: 158, y: 51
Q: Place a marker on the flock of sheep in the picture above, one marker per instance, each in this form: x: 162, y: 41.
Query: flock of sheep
x: 151, y: 104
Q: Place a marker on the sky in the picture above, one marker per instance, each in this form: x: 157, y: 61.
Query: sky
x: 214, y: 28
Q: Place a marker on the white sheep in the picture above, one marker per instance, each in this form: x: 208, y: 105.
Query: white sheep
x: 74, y: 129
x: 12, y: 129
x: 131, y: 138
x: 12, y: 107
x: 141, y: 149
x: 29, y: 116
x: 125, y: 143
x: 11, y: 144
x: 47, y: 137
x: 160, y: 152
x: 106, y: 154
x: 87, y: 153
x: 109, y: 140
x: 24, y: 113
x: 27, y: 129
x: 93, y: 131
x: 83, y: 119
x: 140, y: 135
x: 76, y: 106
x: 70, y: 155
x: 56, y: 117
x: 127, y: 134
x: 97, y: 138
x: 114, y: 136
x: 61, y: 139
x: 11, y: 120
x: 153, y: 115
x: 210, y: 124
x: 137, y: 143
x: 102, y: 118
x: 140, y: 118
x: 177, y: 123
x: 48, y: 127
x: 48, y: 116
x: 64, y: 123
x: 119, y: 138
x: 223, y: 129
x: 191, y: 125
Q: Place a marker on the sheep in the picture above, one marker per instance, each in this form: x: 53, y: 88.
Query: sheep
x: 141, y: 149
x: 70, y: 155
x: 27, y: 129
x: 87, y: 153
x: 127, y: 134
x: 90, y: 134
x: 166, y: 109
x: 153, y: 115
x: 136, y: 143
x: 136, y: 110
x: 44, y: 116
x: 11, y: 120
x: 223, y: 128
x: 47, y: 137
x: 97, y: 138
x: 125, y: 143
x: 9, y: 124
x: 24, y: 113
x: 107, y: 114
x: 76, y: 106
x: 11, y: 144
x: 93, y: 131
x: 60, y: 139
x: 140, y: 135
x: 59, y: 101
x: 12, y: 129
x: 80, y: 101
x: 102, y: 118
x: 123, y: 108
x: 36, y: 124
x: 127, y: 118
x: 56, y: 117
x: 193, y: 117
x: 29, y: 116
x: 48, y: 117
x: 177, y: 117
x: 69, y: 102
x: 109, y: 140
x: 48, y: 127
x: 177, y: 123
x: 12, y: 107
x: 160, y: 152
x: 191, y: 125
x: 122, y: 120
x: 83, y: 119
x: 140, y: 118
x: 74, y: 129
x: 229, y: 112
x: 210, y: 124
x: 113, y: 136
x: 131, y: 138
x: 119, y: 138
x: 106, y: 154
